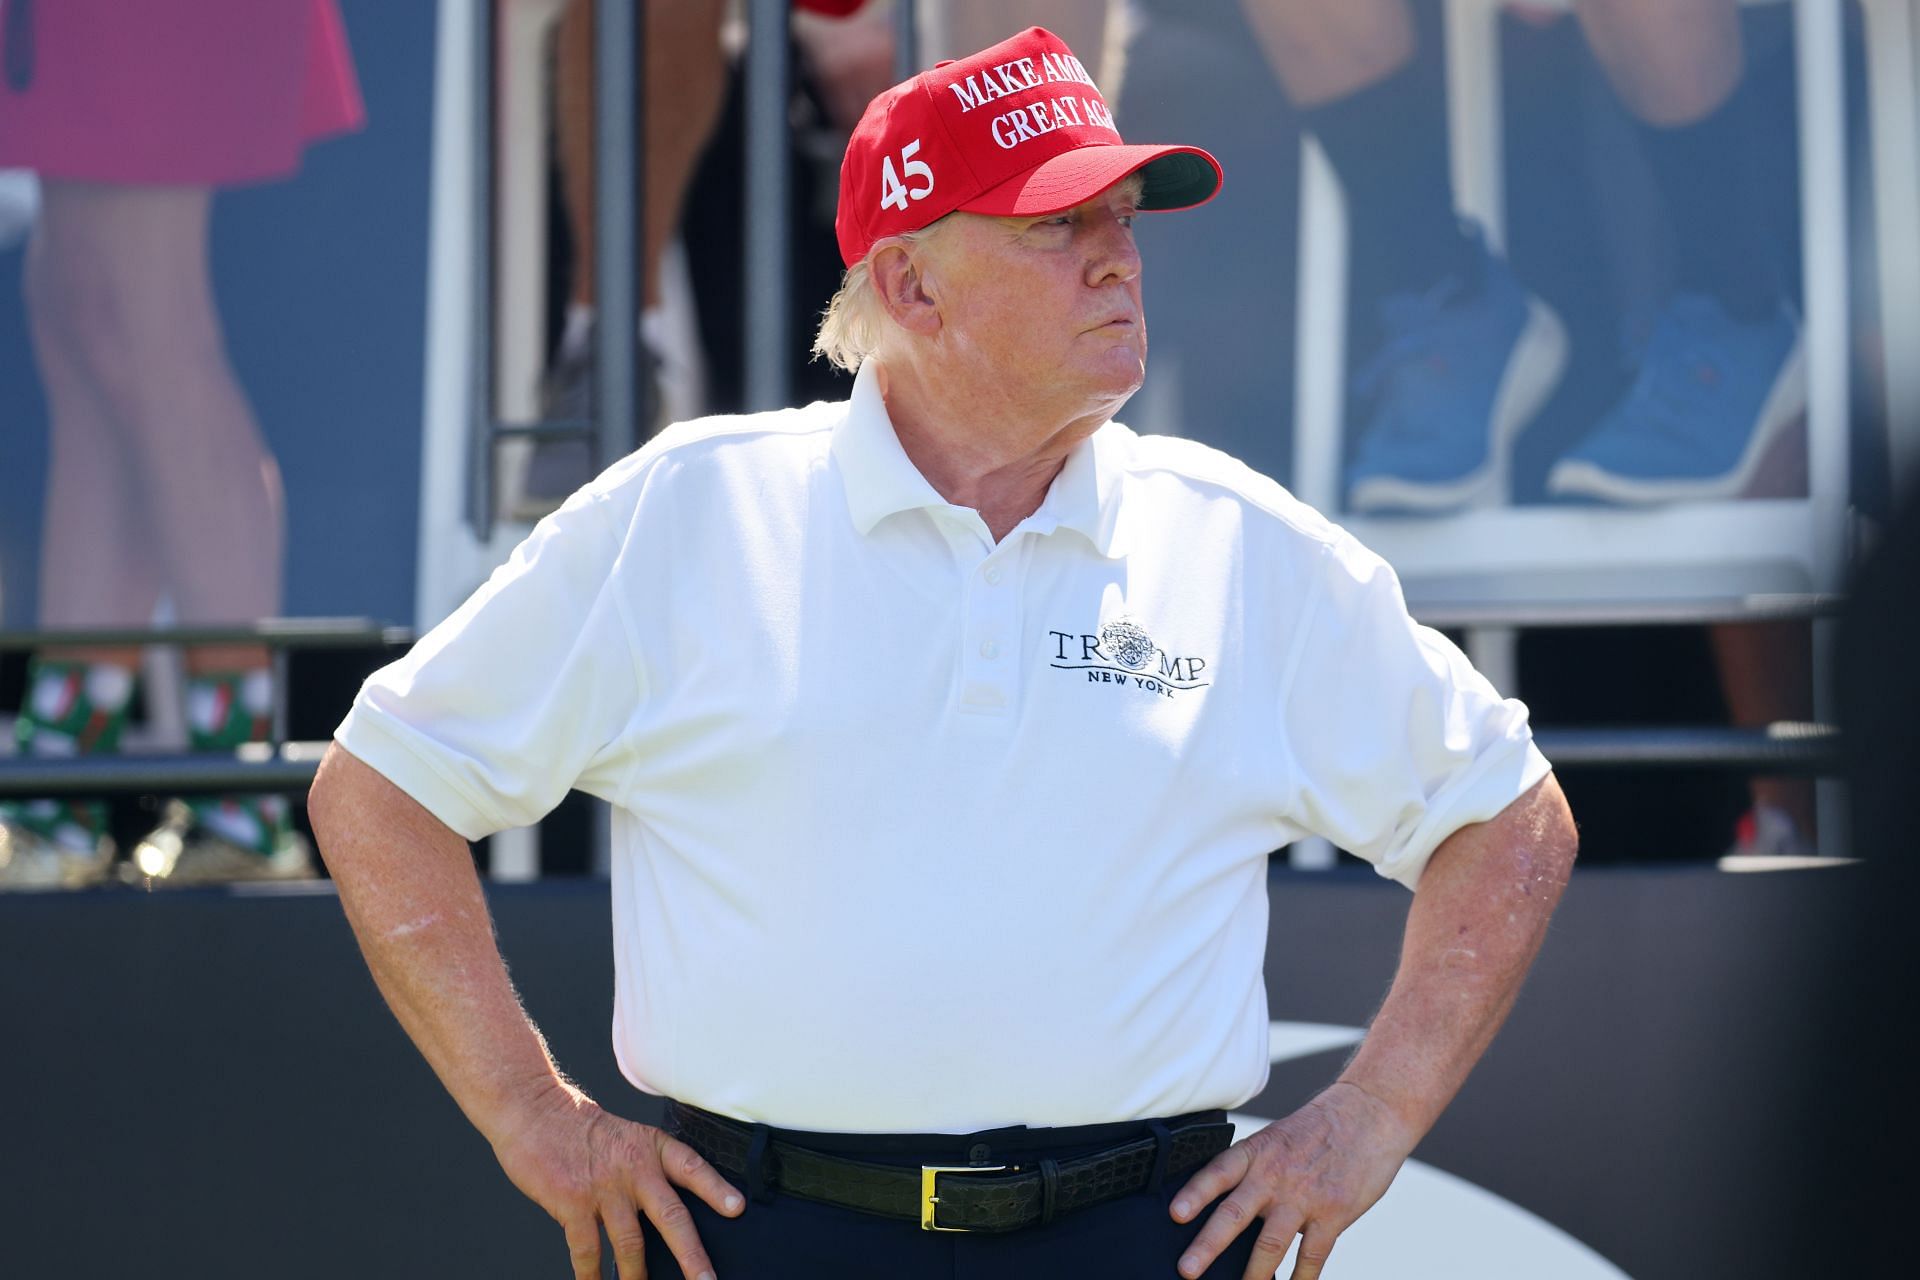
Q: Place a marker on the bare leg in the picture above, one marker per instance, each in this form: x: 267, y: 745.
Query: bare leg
x: 1766, y: 672
x: 98, y: 566
x: 1323, y: 50
x: 1352, y: 72
x: 685, y: 82
x: 129, y: 268
x: 573, y: 112
x: 956, y: 28
x: 1671, y: 61
x: 1679, y: 66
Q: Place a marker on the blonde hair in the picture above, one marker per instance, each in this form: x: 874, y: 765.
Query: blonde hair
x: 855, y: 321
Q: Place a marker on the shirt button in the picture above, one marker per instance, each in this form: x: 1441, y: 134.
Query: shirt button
x: 993, y: 575
x: 990, y: 649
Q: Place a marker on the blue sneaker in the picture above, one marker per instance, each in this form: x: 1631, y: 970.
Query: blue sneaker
x: 1463, y: 369
x: 1712, y: 394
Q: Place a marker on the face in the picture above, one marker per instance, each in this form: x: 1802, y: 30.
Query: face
x: 1046, y: 310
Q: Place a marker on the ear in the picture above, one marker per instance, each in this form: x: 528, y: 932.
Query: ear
x: 899, y: 277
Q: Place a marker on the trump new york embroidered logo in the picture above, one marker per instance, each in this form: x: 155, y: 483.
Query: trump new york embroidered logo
x: 1124, y: 653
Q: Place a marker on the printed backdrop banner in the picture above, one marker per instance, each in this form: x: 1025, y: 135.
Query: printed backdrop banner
x: 201, y: 1079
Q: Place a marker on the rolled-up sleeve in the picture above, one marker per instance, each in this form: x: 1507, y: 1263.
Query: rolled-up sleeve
x: 523, y: 693
x: 1394, y: 741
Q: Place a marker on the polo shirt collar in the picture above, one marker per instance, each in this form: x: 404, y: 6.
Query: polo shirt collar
x: 881, y: 480
x: 1085, y: 495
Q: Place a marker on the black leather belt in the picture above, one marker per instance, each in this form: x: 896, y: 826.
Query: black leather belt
x: 948, y: 1197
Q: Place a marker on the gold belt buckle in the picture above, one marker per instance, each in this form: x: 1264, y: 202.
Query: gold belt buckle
x: 929, y: 1173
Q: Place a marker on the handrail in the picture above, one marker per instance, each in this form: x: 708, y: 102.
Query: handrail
x: 256, y: 767
x: 339, y: 633
x: 768, y: 280
x: 274, y: 633
x: 1786, y: 747
x: 1526, y: 615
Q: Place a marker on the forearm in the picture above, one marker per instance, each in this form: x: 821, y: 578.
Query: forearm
x: 1477, y: 920
x: 1476, y: 924
x: 410, y: 891
x: 408, y: 885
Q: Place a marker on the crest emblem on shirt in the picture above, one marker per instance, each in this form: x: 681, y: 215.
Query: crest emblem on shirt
x: 1128, y: 642
x: 1123, y: 653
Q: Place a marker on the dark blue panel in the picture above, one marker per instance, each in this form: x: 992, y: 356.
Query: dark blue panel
x: 211, y: 1081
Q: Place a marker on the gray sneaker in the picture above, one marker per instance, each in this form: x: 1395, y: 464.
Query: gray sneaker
x: 557, y: 468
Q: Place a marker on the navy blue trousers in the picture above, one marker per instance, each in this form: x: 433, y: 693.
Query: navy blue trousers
x: 788, y: 1238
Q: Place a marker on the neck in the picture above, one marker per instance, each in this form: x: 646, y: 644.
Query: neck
x: 983, y: 449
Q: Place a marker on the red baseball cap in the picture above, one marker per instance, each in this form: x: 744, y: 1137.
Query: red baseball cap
x: 1015, y: 130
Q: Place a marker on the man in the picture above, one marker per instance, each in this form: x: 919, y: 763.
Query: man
x: 948, y: 730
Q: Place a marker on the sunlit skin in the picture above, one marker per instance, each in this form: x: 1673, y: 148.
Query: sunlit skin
x: 1016, y: 338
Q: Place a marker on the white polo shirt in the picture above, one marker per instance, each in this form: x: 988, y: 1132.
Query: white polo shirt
x: 913, y: 832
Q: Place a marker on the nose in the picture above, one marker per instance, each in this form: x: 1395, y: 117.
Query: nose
x: 1112, y: 256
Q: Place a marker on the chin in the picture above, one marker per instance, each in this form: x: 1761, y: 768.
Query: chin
x: 1127, y: 380
x: 1109, y: 378
x: 1116, y: 392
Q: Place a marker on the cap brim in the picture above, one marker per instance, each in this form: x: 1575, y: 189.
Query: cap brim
x: 1176, y: 178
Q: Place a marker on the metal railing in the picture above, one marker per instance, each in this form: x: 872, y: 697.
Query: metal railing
x: 255, y: 767
x: 1785, y: 747
x: 621, y: 397
x: 276, y: 634
x: 1560, y: 614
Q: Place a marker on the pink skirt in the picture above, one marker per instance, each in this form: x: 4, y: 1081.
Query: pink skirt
x: 171, y: 92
